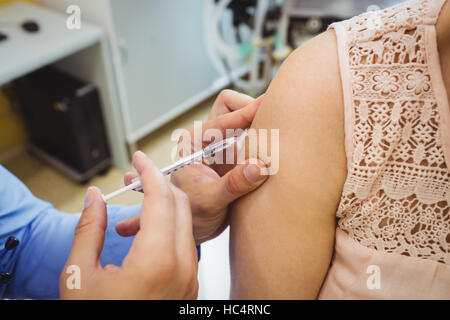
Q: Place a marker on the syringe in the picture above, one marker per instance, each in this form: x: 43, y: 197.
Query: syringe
x: 207, y: 152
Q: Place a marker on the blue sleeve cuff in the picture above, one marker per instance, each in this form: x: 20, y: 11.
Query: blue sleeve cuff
x: 46, y: 237
x: 45, y: 244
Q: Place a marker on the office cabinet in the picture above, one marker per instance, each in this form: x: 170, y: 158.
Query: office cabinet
x: 163, y: 64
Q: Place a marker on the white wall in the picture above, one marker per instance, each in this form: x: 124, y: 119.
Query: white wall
x: 214, y: 269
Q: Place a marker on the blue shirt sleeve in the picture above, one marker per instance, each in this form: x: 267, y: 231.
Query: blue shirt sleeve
x: 45, y: 236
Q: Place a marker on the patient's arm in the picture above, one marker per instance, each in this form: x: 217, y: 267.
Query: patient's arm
x: 282, y: 234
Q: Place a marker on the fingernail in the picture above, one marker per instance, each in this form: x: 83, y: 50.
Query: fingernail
x: 136, y: 155
x: 90, y: 196
x: 253, y: 173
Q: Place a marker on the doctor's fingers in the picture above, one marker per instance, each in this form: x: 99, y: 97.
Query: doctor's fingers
x: 172, y: 253
x: 228, y: 101
x: 239, y: 119
x: 184, y: 232
x: 167, y: 264
x: 129, y: 177
x: 90, y: 232
x: 184, y: 236
x: 186, y: 253
x: 236, y: 183
x: 154, y: 244
x: 158, y: 208
x: 130, y: 226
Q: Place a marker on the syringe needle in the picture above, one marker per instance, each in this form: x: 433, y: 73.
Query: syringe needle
x: 136, y: 184
x: 177, y: 165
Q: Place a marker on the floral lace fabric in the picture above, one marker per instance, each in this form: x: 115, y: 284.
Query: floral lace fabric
x: 396, y: 196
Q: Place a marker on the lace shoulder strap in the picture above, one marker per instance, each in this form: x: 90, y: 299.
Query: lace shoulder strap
x: 391, y: 110
x: 397, y: 132
x: 409, y: 15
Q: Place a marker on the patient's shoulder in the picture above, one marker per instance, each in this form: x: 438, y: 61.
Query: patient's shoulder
x: 320, y: 52
x: 309, y: 83
x: 287, y: 225
x: 305, y: 102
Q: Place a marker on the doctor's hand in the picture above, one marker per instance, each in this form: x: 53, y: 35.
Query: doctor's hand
x: 212, y: 188
x: 162, y: 261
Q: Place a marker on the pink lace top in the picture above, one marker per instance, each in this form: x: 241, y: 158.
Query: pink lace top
x: 395, y: 202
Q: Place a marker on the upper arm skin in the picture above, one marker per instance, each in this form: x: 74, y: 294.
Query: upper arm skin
x: 282, y: 235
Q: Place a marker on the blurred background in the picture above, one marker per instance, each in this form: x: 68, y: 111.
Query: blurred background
x: 84, y: 84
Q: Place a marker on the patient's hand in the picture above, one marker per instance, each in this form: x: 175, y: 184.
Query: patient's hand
x: 211, y: 189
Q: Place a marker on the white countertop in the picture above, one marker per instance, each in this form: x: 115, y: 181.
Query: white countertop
x: 25, y: 52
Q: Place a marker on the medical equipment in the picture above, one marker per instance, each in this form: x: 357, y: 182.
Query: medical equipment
x: 255, y: 25
x: 302, y: 20
x: 264, y: 32
x: 11, y: 244
x: 70, y: 134
x: 207, y: 153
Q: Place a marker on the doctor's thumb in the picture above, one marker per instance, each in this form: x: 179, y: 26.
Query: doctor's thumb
x: 243, y: 179
x: 90, y: 231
